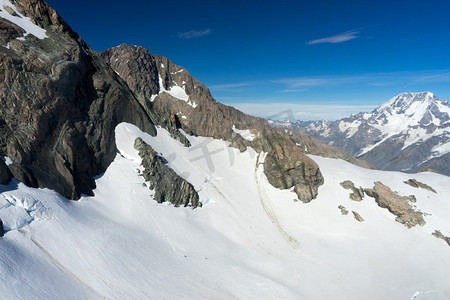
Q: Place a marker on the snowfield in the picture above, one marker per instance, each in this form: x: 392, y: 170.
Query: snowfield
x: 248, y: 241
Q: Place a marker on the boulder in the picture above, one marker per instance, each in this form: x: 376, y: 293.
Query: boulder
x: 396, y: 204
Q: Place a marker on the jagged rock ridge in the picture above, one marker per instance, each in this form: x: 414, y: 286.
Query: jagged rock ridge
x: 167, y: 184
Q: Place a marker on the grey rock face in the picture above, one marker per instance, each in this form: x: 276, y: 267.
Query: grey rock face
x: 418, y: 184
x: 167, y: 184
x: 59, y: 105
x: 396, y: 204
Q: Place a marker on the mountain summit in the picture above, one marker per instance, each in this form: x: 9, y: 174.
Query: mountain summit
x: 410, y: 132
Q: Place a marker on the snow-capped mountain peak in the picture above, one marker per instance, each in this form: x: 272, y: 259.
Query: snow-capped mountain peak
x: 409, y: 109
x: 409, y: 132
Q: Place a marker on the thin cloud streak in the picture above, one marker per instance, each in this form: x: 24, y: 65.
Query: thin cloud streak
x: 335, y: 39
x: 293, y: 91
x: 302, y: 84
x: 304, y: 112
x: 193, y: 34
x: 234, y: 85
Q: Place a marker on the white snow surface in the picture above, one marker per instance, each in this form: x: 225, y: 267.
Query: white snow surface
x: 176, y: 92
x: 244, y: 133
x: 21, y: 21
x: 349, y: 128
x: 248, y: 241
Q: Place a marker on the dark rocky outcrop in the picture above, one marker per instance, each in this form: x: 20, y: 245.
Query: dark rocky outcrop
x: 396, y: 204
x: 343, y: 210
x: 418, y: 184
x: 59, y: 105
x: 357, y: 216
x: 167, y: 184
x: 357, y: 194
x: 439, y: 235
x: 1, y: 228
x: 5, y: 175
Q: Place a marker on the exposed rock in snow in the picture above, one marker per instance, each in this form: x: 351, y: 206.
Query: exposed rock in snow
x: 357, y: 194
x: 418, y: 184
x: 357, y: 216
x: 167, y: 184
x: 439, y: 235
x: 396, y: 204
x: 344, y: 211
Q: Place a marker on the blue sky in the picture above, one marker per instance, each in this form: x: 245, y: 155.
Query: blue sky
x: 321, y: 59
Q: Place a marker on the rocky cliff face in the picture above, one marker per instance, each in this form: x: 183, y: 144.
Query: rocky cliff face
x: 5, y: 175
x: 182, y: 102
x: 59, y: 103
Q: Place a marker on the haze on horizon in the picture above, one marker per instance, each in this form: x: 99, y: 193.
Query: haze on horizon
x: 321, y: 60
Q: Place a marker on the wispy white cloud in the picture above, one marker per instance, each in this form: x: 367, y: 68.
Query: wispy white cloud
x: 338, y: 38
x: 302, y: 111
x: 293, y: 91
x: 397, y: 81
x: 302, y: 81
x: 234, y: 85
x: 439, y: 77
x: 192, y: 34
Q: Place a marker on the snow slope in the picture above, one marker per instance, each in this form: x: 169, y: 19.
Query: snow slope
x: 20, y: 20
x: 249, y: 240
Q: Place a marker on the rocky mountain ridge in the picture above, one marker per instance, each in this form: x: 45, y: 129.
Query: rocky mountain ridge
x: 182, y: 103
x: 408, y: 133
x: 61, y: 101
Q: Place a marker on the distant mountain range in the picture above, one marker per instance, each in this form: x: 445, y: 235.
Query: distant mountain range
x: 410, y: 132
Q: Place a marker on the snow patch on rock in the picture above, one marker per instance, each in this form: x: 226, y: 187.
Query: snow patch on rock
x: 245, y: 133
x: 20, y: 20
